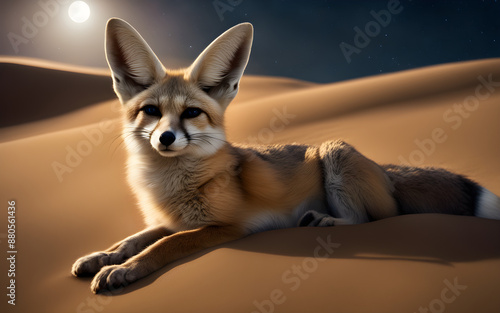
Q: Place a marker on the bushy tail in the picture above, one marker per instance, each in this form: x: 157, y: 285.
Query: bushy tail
x: 436, y: 190
x: 488, y: 205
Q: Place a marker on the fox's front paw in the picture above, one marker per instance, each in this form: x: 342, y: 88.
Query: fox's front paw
x: 90, y: 264
x: 112, y: 277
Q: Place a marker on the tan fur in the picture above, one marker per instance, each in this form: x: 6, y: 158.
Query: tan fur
x: 355, y: 182
x: 267, y: 186
x: 196, y: 190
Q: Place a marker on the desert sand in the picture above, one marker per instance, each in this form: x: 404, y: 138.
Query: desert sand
x: 62, y: 162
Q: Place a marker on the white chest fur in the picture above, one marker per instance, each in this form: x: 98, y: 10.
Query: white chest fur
x: 167, y: 192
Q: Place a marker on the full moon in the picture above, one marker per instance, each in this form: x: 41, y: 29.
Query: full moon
x: 79, y: 11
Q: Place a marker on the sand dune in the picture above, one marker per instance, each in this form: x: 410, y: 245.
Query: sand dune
x: 62, y: 162
x: 82, y: 95
x: 41, y: 90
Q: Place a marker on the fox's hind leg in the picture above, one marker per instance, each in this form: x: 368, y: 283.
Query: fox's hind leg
x: 118, y: 253
x: 316, y: 219
x: 357, y: 189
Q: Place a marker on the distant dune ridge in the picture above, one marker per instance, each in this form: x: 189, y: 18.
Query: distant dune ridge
x: 62, y: 161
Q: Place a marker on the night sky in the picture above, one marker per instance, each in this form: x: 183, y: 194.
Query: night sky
x: 299, y: 39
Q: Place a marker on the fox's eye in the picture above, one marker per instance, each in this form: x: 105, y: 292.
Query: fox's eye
x: 151, y: 110
x: 191, y: 113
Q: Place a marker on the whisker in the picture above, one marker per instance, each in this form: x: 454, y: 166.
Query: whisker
x: 114, y: 150
x: 206, y: 137
x: 131, y: 132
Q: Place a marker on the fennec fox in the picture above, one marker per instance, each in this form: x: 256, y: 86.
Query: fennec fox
x: 196, y: 190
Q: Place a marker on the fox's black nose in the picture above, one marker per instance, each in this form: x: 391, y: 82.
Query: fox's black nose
x: 167, y: 138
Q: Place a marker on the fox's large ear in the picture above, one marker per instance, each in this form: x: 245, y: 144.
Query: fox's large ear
x: 133, y: 64
x: 220, y: 66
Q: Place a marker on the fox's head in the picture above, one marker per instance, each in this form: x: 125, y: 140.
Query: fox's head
x: 176, y: 112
